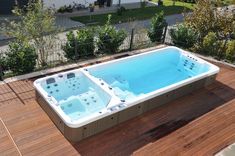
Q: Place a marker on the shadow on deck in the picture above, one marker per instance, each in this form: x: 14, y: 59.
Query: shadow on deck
x: 128, y: 137
x: 202, y: 122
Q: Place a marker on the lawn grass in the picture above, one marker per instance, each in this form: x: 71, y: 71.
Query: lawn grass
x: 177, y: 3
x: 227, y: 2
x: 137, y: 14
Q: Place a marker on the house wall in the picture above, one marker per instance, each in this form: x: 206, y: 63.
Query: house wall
x: 59, y: 3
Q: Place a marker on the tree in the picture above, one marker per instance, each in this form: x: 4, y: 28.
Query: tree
x: 36, y: 25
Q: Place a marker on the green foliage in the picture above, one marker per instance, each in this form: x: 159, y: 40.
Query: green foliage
x: 183, y: 36
x: 206, y: 19
x: 230, y: 51
x: 120, y: 10
x: 215, y: 29
x: 20, y: 58
x: 160, y: 2
x: 157, y: 26
x: 36, y: 26
x: 2, y: 66
x: 220, y: 3
x: 109, y: 38
x: 69, y: 47
x: 65, y: 8
x: 79, y: 45
x: 86, y: 45
x: 2, y: 62
x: 143, y: 3
x: 211, y: 45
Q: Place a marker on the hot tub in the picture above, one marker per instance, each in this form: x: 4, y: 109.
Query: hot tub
x: 86, y: 101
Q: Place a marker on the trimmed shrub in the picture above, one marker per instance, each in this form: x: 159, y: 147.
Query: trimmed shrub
x: 85, y: 41
x: 21, y: 58
x: 157, y: 26
x: 109, y: 38
x: 183, y: 36
x: 79, y: 45
x: 230, y: 51
x: 69, y: 47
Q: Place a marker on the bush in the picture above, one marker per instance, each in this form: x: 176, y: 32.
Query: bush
x: 143, y: 4
x: 211, y: 45
x: 109, y: 38
x: 160, y: 2
x: 120, y: 10
x: 206, y: 18
x: 21, y: 58
x: 230, y: 51
x: 65, y: 8
x: 157, y: 26
x: 2, y: 66
x: 79, y: 45
x: 36, y: 25
x: 85, y: 42
x: 123, y: 9
x: 183, y: 36
x: 2, y: 62
x: 69, y: 47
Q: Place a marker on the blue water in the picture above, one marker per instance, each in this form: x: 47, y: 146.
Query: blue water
x: 82, y: 105
x: 77, y: 96
x: 147, y: 73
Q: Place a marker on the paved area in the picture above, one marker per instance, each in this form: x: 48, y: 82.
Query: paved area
x: 201, y: 123
x: 66, y: 23
x: 171, y: 20
x: 61, y: 21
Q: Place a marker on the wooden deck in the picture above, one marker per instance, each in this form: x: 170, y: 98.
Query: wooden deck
x: 200, y: 123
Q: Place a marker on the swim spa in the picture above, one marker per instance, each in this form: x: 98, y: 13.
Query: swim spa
x: 86, y: 101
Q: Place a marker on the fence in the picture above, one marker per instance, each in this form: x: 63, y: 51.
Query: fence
x: 136, y: 39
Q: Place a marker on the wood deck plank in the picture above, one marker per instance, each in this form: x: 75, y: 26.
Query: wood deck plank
x: 200, y: 123
x: 7, y: 147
